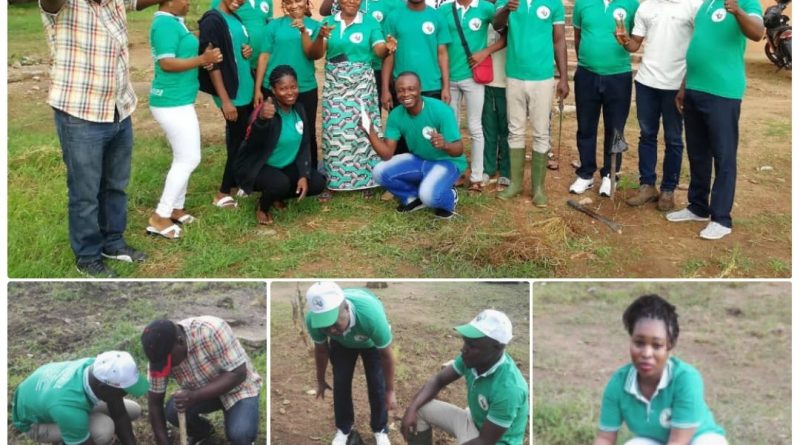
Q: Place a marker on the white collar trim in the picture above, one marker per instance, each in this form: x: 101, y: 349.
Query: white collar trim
x: 632, y: 383
x: 352, y: 312
x: 87, y: 388
x: 491, y: 370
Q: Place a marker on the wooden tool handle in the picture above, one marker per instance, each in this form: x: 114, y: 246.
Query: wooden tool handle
x: 182, y: 427
x: 611, y: 224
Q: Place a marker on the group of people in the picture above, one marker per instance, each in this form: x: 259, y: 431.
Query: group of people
x: 417, y: 62
x: 82, y: 402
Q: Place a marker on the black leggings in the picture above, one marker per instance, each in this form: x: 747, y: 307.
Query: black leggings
x: 281, y: 183
x: 234, y: 135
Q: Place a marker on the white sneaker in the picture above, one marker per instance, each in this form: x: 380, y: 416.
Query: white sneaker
x: 581, y: 185
x: 684, y: 215
x: 340, y: 438
x: 605, y: 186
x: 382, y: 439
x: 714, y: 230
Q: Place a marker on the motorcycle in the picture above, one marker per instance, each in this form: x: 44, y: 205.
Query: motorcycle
x: 779, y: 35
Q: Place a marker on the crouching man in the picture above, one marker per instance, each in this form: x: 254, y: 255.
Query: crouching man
x: 497, y: 394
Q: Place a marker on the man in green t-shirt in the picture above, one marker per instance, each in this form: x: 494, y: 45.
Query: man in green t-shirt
x: 497, y: 394
x: 425, y: 176
x: 345, y: 324
x: 710, y: 101
x: 80, y: 401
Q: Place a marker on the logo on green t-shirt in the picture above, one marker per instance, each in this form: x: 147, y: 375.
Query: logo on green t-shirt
x: 543, y: 12
x: 428, y: 28
x: 426, y: 132
x: 356, y: 37
x: 482, y: 402
x: 665, y: 419
x: 299, y: 127
x: 719, y: 15
x: 377, y: 15
x: 475, y: 24
x: 265, y: 7
x: 360, y: 338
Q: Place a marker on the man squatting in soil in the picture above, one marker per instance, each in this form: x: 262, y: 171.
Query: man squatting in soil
x: 346, y: 324
x: 497, y: 394
x: 214, y: 373
x: 80, y: 401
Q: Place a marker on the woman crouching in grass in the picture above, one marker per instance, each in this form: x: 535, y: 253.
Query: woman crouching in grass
x: 276, y: 157
x: 658, y: 396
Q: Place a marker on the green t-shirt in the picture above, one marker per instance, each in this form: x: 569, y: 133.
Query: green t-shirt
x: 530, y: 54
x: 255, y: 15
x: 677, y: 403
x: 379, y: 10
x: 475, y: 22
x: 418, y: 34
x: 356, y: 40
x: 169, y: 38
x: 289, y: 141
x: 369, y: 327
x: 239, y: 37
x: 715, y: 58
x: 56, y: 393
x: 499, y: 395
x: 599, y: 51
x: 435, y: 115
x: 285, y: 47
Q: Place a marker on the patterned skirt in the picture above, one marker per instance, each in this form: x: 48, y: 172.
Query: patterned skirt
x: 348, y: 156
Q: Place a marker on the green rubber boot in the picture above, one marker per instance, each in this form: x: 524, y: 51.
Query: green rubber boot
x: 516, y: 158
x: 538, y: 171
x: 421, y: 438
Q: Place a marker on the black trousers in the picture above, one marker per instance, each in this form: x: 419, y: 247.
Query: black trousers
x: 276, y: 184
x: 234, y: 135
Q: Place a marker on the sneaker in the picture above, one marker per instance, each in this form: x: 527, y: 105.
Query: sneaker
x: 455, y: 196
x: 605, y: 186
x: 340, y: 438
x: 95, y: 269
x: 444, y: 214
x: 382, y: 439
x: 503, y: 181
x: 581, y: 185
x: 666, y: 200
x: 647, y: 193
x: 684, y: 215
x: 715, y: 230
x: 412, y: 206
x: 489, y: 180
x: 127, y: 254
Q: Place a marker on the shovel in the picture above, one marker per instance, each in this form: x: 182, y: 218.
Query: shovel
x: 618, y: 146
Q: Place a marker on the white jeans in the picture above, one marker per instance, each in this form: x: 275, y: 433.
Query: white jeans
x: 101, y: 426
x: 183, y: 133
x: 705, y: 439
x: 456, y: 421
x: 472, y: 92
x: 529, y: 98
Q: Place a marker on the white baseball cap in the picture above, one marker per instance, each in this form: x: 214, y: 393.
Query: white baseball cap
x: 489, y: 323
x: 118, y: 369
x: 324, y: 299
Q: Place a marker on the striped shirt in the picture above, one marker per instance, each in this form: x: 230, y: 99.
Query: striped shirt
x: 89, y: 75
x: 212, y: 349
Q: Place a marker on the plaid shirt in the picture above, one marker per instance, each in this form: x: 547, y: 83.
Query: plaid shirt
x: 89, y: 59
x: 212, y: 349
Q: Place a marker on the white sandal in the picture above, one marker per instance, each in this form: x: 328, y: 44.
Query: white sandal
x: 174, y: 229
x: 185, y: 219
x: 226, y: 203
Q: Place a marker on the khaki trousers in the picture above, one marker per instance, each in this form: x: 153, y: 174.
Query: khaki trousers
x: 456, y: 421
x: 534, y: 99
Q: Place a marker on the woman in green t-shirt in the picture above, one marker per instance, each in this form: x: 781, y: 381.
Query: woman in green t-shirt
x: 276, y: 157
x: 172, y: 97
x: 658, y: 396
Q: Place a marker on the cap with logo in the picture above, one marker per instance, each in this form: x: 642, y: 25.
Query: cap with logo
x: 324, y: 299
x: 158, y: 339
x: 118, y: 369
x: 489, y: 323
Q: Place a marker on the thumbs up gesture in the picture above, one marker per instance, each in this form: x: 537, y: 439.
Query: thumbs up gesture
x: 267, y: 109
x: 211, y: 55
x: 437, y: 140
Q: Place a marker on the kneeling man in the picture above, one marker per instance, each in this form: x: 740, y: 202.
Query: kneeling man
x: 497, y: 394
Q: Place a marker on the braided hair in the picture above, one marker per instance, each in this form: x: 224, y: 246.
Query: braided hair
x: 279, y: 72
x: 652, y: 307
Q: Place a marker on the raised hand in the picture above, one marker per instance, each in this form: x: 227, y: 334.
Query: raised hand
x: 512, y: 5
x: 437, y: 140
x: 211, y: 55
x: 391, y: 43
x: 268, y: 109
x: 298, y: 24
x: 325, y: 31
x: 732, y: 6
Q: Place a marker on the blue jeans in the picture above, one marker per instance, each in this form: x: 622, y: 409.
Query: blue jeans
x: 593, y: 93
x: 712, y: 139
x: 98, y: 160
x: 653, y: 104
x: 409, y: 177
x: 241, y: 420
x: 343, y: 361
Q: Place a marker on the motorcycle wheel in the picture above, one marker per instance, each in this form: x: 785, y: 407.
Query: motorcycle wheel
x: 786, y: 47
x: 770, y: 52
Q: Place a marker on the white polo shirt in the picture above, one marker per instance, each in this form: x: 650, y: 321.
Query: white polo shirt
x: 667, y: 27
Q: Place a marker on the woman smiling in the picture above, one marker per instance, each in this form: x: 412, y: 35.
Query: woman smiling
x: 658, y: 396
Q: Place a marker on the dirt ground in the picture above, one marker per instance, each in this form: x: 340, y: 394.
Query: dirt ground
x: 50, y: 321
x: 738, y: 335
x: 422, y: 315
x: 759, y: 247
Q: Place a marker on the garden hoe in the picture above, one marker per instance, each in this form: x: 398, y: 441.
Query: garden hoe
x: 618, y: 146
x: 553, y: 164
x: 182, y: 427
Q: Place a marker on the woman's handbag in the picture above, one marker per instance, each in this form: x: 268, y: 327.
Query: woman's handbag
x: 482, y: 73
